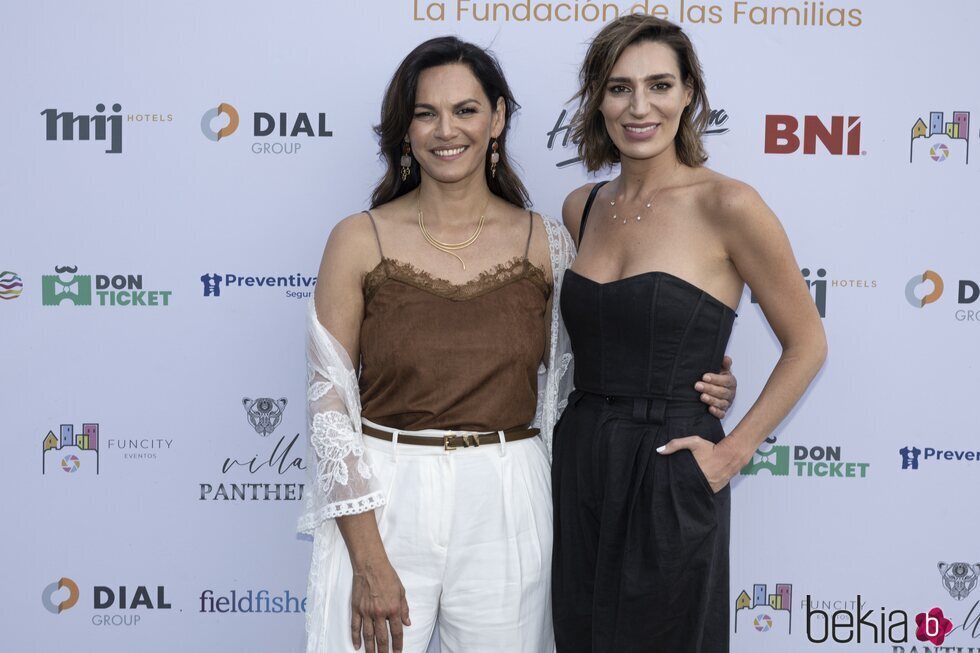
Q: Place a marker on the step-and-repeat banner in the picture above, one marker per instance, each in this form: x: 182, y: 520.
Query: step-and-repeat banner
x: 171, y: 171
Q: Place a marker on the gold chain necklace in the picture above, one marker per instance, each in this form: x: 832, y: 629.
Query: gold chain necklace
x: 449, y: 248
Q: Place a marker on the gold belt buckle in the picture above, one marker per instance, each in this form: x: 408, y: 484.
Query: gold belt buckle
x: 447, y: 442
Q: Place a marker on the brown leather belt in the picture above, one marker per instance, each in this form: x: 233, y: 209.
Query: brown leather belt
x: 453, y: 439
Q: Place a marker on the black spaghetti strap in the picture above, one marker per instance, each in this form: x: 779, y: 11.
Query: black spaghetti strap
x: 377, y: 237
x: 588, y: 206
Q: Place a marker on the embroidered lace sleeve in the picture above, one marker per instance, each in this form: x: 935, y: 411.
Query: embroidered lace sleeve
x: 555, y: 378
x: 340, y: 480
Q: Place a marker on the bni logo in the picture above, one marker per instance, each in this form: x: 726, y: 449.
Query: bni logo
x: 840, y: 136
x: 83, y: 127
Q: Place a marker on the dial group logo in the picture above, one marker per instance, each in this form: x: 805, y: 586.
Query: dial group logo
x: 47, y: 596
x: 66, y: 287
x: 112, y: 605
x: 941, y: 141
x: 208, y: 119
x: 11, y: 285
x: 917, y: 281
x: 928, y: 288
x: 288, y: 128
x: 765, y: 612
x: 71, y: 453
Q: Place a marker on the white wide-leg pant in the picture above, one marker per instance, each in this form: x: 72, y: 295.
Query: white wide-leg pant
x: 469, y: 533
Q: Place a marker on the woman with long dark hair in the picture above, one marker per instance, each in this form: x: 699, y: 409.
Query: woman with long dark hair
x: 641, y: 469
x: 430, y: 460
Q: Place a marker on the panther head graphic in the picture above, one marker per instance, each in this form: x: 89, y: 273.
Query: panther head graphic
x: 959, y: 578
x: 264, y: 413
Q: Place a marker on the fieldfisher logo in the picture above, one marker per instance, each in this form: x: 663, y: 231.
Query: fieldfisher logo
x: 913, y: 456
x: 251, y: 601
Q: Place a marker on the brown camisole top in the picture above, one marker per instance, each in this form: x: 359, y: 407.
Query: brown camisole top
x: 439, y: 355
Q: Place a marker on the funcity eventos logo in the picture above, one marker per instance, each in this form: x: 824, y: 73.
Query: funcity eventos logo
x: 765, y: 612
x: 71, y: 452
x: 799, y: 460
x: 47, y: 596
x: 11, y: 285
x: 940, y: 141
x: 111, y: 290
x: 267, y: 125
x: 841, y: 136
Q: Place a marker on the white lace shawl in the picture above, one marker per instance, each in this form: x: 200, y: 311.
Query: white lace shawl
x: 339, y: 481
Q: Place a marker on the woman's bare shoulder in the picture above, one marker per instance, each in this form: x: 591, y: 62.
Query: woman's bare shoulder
x: 574, y: 205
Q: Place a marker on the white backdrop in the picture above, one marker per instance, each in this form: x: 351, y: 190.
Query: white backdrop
x: 190, y: 503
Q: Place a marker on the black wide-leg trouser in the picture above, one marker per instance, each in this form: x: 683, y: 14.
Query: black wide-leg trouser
x: 641, y: 541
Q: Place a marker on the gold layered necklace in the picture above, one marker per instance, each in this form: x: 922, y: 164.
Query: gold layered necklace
x: 449, y: 248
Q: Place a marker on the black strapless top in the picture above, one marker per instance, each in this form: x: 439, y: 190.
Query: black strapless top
x: 649, y: 335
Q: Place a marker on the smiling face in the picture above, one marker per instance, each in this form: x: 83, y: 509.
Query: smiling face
x: 643, y: 100
x: 453, y: 123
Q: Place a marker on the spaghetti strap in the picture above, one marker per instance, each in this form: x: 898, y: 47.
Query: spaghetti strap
x: 377, y: 236
x: 588, y: 206
x: 530, y: 230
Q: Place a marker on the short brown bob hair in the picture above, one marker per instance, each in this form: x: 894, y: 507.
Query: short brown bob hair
x: 588, y: 128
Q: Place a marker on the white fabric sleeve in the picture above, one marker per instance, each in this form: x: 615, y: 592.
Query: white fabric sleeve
x: 339, y: 480
x: 556, y: 376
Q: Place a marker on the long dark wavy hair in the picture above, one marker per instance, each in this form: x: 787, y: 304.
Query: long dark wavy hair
x: 398, y: 109
x: 588, y: 128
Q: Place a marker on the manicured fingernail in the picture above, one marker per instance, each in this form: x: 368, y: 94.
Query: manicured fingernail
x: 661, y: 448
x: 707, y: 377
x: 699, y: 386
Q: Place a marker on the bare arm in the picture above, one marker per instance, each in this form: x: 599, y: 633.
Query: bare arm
x: 761, y: 253
x: 378, y: 598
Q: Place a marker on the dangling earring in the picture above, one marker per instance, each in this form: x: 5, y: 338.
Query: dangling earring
x: 494, y: 158
x: 406, y: 162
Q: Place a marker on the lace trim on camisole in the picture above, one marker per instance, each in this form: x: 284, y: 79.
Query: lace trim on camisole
x: 486, y: 282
